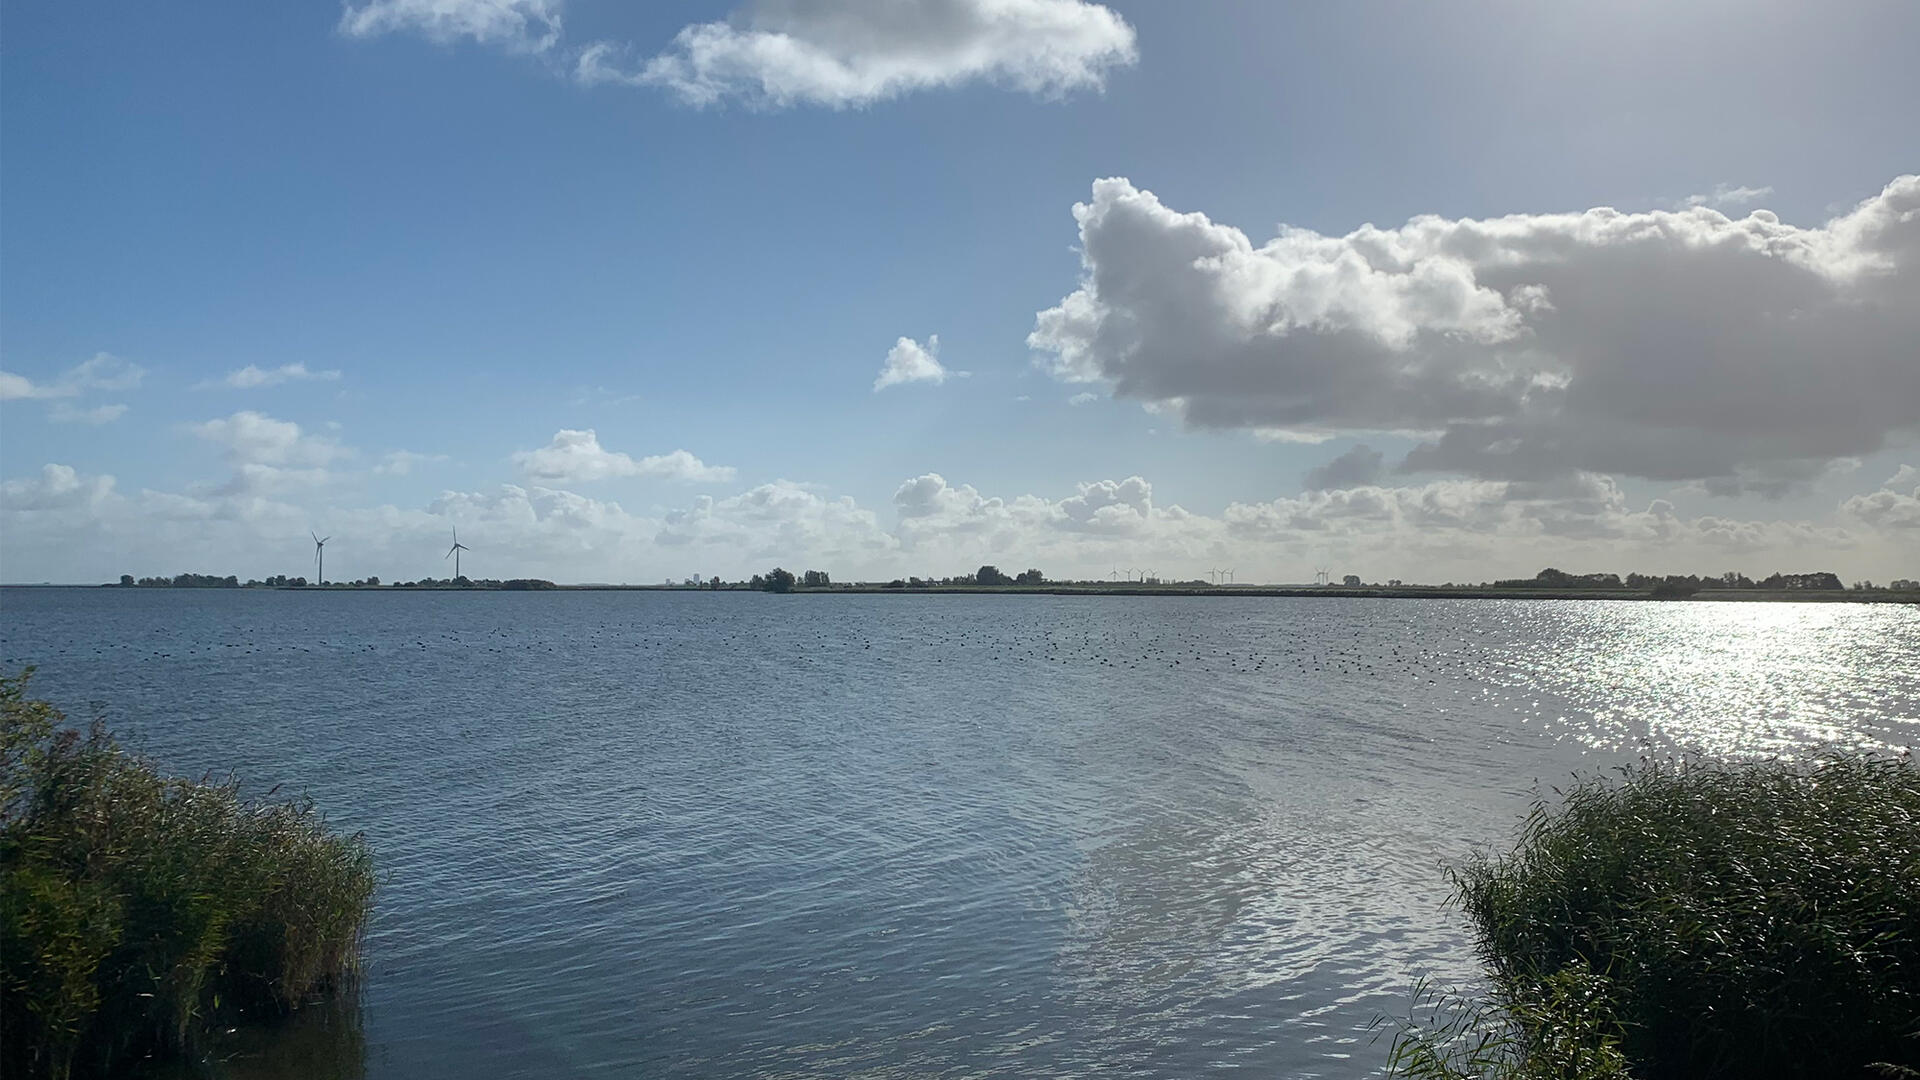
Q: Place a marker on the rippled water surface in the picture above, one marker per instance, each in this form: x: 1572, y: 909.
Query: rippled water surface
x: 649, y: 834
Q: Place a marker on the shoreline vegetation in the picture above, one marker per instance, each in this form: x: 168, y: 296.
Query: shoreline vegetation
x: 1549, y: 584
x: 1434, y: 592
x: 1693, y: 920
x: 143, y: 915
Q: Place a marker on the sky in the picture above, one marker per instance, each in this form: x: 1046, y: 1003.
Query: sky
x: 638, y: 292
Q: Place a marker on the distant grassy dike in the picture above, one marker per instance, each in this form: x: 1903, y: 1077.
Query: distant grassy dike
x: 1696, y: 921
x: 139, y: 913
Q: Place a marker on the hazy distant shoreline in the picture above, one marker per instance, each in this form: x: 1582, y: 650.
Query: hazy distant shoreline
x: 1385, y: 592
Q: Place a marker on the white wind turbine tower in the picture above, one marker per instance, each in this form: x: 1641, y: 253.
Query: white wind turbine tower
x: 454, y: 553
x: 319, y: 556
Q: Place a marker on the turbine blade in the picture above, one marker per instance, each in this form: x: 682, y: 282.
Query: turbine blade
x: 450, y: 552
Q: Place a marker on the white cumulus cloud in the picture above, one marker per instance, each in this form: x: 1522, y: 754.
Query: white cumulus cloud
x: 1671, y: 345
x: 100, y: 414
x: 848, y: 53
x: 269, y: 456
x: 401, y: 462
x: 782, y: 53
x: 1726, y: 196
x: 1895, y: 506
x: 576, y: 457
x: 530, y: 26
x: 777, y: 522
x: 1583, y: 516
x: 103, y: 372
x: 63, y: 524
x: 931, y: 509
x: 252, y: 376
x: 909, y: 361
x: 58, y: 487
x: 253, y: 438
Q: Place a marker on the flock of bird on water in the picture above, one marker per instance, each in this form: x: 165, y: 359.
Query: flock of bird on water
x: 1201, y: 643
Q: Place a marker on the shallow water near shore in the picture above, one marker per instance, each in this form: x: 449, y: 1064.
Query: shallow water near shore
x: 642, y: 834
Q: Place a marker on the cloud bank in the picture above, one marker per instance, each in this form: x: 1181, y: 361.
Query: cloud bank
x: 1361, y: 464
x: 776, y: 54
x: 1669, y: 345
x: 62, y: 523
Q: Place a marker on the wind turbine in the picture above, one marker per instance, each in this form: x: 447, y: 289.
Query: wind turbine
x: 454, y: 553
x: 319, y: 555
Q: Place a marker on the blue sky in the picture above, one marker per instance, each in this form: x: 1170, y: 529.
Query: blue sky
x: 476, y: 225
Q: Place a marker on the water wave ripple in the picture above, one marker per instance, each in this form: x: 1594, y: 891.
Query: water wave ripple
x: 887, y: 836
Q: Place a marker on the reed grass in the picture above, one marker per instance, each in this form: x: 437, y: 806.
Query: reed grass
x: 140, y: 912
x: 1695, y: 920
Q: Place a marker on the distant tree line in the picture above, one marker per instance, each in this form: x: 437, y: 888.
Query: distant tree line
x: 776, y: 580
x: 779, y: 580
x: 214, y: 581
x: 1551, y: 578
x: 181, y: 581
x: 988, y: 576
x: 282, y: 581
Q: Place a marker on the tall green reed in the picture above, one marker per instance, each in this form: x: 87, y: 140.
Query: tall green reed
x: 1695, y: 920
x: 140, y: 912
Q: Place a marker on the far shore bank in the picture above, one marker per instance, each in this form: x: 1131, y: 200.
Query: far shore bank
x: 1384, y: 592
x: 1403, y: 592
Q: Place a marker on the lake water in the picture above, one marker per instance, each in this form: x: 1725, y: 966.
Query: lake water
x: 685, y: 834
